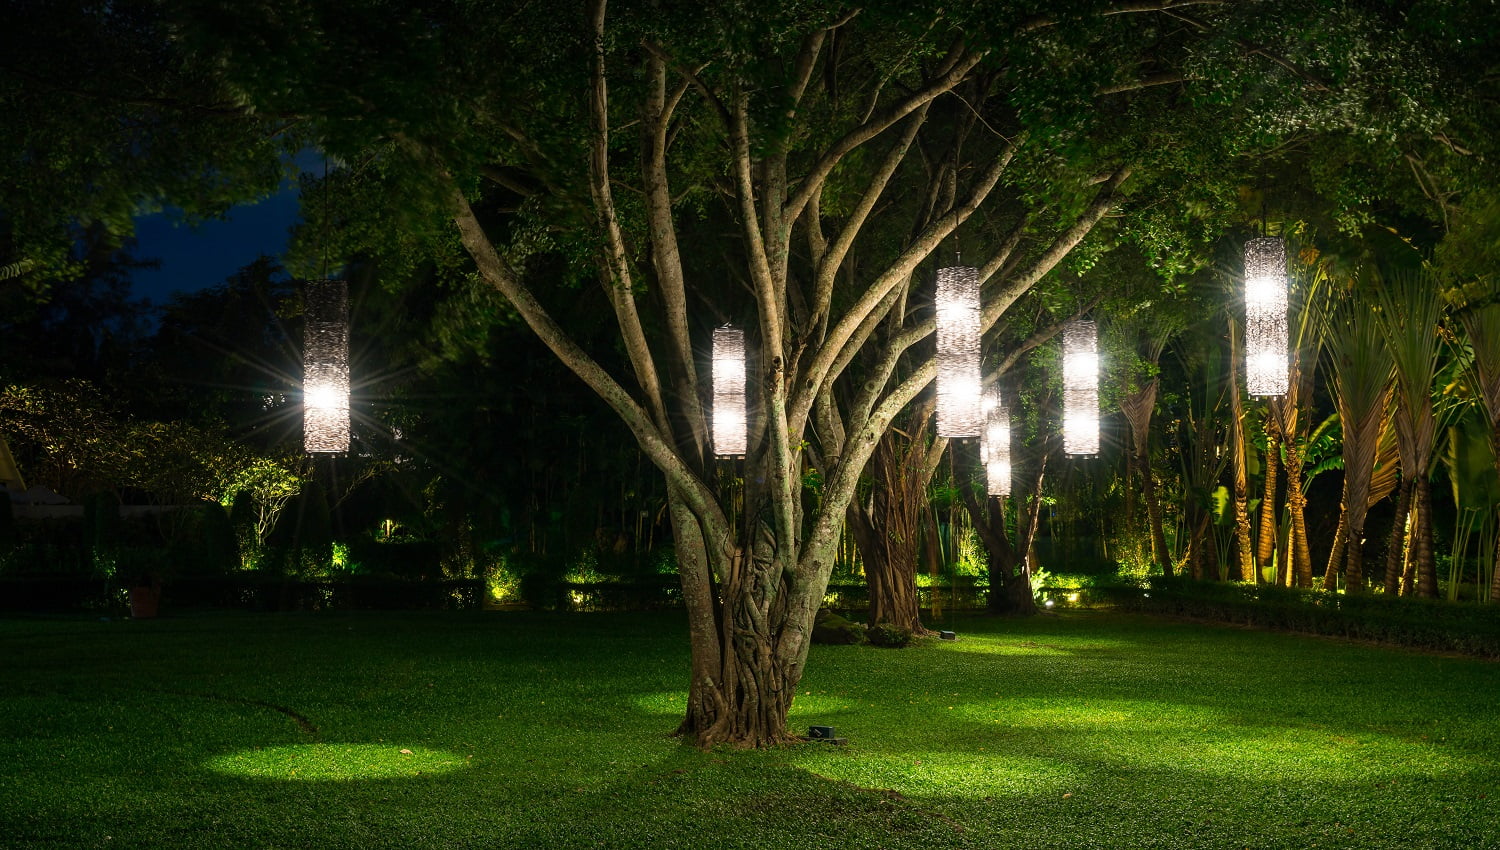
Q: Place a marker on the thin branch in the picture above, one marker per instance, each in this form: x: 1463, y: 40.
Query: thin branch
x: 1165, y: 78
x: 616, y: 262
x: 820, y: 170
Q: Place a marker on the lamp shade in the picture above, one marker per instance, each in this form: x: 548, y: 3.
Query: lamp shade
x: 1081, y: 388
x: 1265, y: 316
x: 325, y: 367
x: 958, y: 380
x: 994, y: 449
x: 729, y: 391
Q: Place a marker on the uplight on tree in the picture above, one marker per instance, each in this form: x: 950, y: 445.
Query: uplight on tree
x: 994, y: 449
x: 959, y: 411
x: 325, y: 367
x: 729, y: 426
x: 1265, y: 316
x: 1081, y: 387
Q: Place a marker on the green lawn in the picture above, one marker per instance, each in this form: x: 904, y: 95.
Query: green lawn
x: 536, y: 730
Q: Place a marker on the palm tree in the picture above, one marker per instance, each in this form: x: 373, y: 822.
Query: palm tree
x: 1482, y: 326
x: 1243, y: 567
x: 1362, y: 374
x: 1294, y: 411
x: 1410, y: 310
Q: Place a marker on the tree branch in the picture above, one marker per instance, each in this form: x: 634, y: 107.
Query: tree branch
x: 820, y: 170
x: 617, y: 278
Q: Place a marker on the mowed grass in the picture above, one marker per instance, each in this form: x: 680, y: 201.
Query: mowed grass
x: 537, y: 730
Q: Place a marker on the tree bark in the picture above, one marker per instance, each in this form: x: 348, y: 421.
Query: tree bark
x: 1265, y: 550
x: 1242, y: 568
x: 1138, y: 408
x: 1426, y: 562
x: 1159, y: 552
x: 1396, y: 547
x: 1296, y: 502
x: 887, y: 533
x: 1336, y: 557
x: 1010, y: 563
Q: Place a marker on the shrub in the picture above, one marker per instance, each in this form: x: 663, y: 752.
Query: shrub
x: 888, y: 635
x: 1465, y: 627
x: 830, y: 628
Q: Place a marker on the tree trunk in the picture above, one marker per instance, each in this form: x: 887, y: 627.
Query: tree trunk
x: 1265, y: 550
x: 1336, y: 557
x: 1159, y: 552
x: 1494, y: 574
x: 1296, y: 502
x: 1010, y: 564
x: 887, y: 535
x: 1354, y: 568
x: 1396, y: 547
x: 1209, y: 554
x: 1242, y: 568
x: 889, y: 556
x: 1495, y: 577
x: 1138, y: 408
x: 1194, y: 556
x: 1426, y: 561
x: 749, y: 641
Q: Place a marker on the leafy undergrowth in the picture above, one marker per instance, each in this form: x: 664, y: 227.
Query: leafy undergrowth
x: 534, y: 730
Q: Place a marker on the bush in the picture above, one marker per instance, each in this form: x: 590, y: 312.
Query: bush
x: 830, y: 628
x: 888, y: 635
x: 1465, y: 627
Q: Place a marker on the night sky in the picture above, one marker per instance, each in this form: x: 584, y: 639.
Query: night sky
x: 194, y: 258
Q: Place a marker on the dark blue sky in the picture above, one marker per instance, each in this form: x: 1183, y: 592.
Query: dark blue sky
x: 194, y: 258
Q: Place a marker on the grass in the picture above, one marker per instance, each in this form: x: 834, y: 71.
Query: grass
x: 531, y: 730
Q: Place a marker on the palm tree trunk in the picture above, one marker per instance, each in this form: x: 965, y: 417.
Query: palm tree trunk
x: 1340, y: 538
x: 1242, y: 568
x: 1159, y: 552
x: 1296, y: 502
x: 1426, y: 562
x: 1265, y: 549
x: 1397, y: 546
x: 1354, y: 576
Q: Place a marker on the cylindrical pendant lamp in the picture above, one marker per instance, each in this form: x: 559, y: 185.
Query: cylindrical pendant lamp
x: 325, y: 367
x: 1265, y: 316
x: 729, y: 425
x: 1081, y: 388
x: 995, y: 448
x: 958, y: 380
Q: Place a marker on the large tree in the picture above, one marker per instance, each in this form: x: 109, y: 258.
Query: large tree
x: 794, y: 168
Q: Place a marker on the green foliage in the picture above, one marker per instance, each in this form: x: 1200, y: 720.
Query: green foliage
x: 1404, y: 621
x: 101, y: 529
x: 129, y: 124
x: 830, y: 628
x: 220, y: 542
x: 888, y: 636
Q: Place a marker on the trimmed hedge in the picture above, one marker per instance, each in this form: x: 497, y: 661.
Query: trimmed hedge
x: 1467, y: 627
x: 64, y: 592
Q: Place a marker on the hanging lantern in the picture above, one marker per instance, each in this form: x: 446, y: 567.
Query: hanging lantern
x: 729, y: 391
x: 995, y: 447
x: 1081, y: 388
x: 325, y: 367
x: 1265, y: 316
x: 958, y: 380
